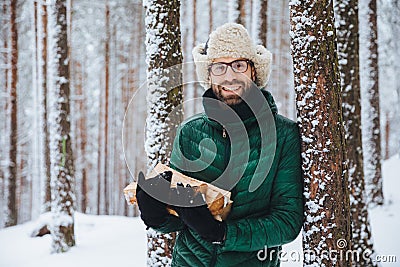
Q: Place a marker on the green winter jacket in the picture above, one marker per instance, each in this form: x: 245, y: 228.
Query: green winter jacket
x: 264, y: 219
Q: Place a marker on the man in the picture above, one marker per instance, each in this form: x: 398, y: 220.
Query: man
x: 240, y: 144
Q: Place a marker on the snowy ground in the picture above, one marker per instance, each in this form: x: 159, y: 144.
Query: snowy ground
x: 104, y: 241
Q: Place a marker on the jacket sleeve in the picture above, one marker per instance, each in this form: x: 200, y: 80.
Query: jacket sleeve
x: 173, y: 223
x: 285, y: 219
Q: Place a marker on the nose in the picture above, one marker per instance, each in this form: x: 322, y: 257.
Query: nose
x: 230, y: 75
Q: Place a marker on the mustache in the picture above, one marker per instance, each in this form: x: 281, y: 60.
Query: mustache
x: 236, y: 82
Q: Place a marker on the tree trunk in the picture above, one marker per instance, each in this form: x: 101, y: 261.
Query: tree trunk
x: 12, y: 208
x: 387, y: 136
x: 263, y: 17
x: 348, y: 49
x: 163, y: 97
x: 242, y: 12
x: 81, y: 133
x: 237, y: 11
x: 42, y: 77
x: 194, y: 26
x: 3, y: 102
x: 100, y: 158
x: 210, y: 18
x: 62, y: 166
x: 106, y: 106
x: 327, y: 225
x: 371, y: 110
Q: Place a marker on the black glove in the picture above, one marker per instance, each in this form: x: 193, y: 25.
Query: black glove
x: 152, y: 211
x: 195, y: 214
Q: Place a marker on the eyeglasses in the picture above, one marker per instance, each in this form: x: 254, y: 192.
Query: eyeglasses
x: 238, y: 66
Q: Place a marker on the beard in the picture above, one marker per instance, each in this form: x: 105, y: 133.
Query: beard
x: 231, y: 97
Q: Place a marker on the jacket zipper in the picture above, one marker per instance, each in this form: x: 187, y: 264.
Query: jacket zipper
x: 215, y: 246
x: 214, y: 256
x: 227, y: 148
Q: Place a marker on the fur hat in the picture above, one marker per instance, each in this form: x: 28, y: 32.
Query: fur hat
x: 231, y: 40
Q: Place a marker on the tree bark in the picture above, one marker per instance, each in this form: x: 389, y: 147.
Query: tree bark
x: 319, y: 109
x: 263, y: 17
x: 62, y: 165
x: 370, y: 91
x: 194, y: 26
x: 81, y: 132
x: 387, y: 136
x: 348, y: 49
x: 164, y: 96
x: 12, y: 208
x: 106, y: 107
x: 210, y: 18
x: 42, y: 74
x: 242, y: 12
x: 237, y: 11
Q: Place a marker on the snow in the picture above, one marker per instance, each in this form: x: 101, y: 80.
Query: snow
x: 104, y: 241
x: 101, y: 241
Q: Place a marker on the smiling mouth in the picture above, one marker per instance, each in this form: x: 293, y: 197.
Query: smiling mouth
x: 231, y: 88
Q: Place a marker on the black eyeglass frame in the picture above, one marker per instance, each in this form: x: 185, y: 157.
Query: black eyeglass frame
x: 248, y: 62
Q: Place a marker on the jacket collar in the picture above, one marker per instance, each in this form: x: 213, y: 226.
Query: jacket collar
x: 254, y: 105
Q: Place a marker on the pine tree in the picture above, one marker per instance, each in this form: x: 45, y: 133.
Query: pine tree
x: 394, y: 19
x: 106, y: 120
x: 11, y: 180
x: 3, y: 101
x: 259, y: 20
x: 348, y: 49
x: 210, y: 16
x: 369, y: 80
x: 164, y: 95
x: 319, y: 111
x: 263, y: 22
x: 62, y: 166
x: 237, y: 11
x: 282, y: 71
x: 41, y: 76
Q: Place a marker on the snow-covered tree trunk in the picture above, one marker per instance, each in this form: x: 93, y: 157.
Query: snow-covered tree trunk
x: 258, y: 18
x: 62, y: 165
x: 281, y: 80
x: 395, y: 28
x: 4, y: 69
x: 11, y: 215
x: 41, y: 74
x: 40, y: 151
x: 194, y: 24
x: 210, y: 16
x: 164, y: 93
x: 81, y: 136
x: 263, y: 29
x: 348, y: 49
x: 106, y: 121
x: 103, y: 132
x: 237, y: 11
x: 36, y: 152
x: 327, y: 223
x: 370, y: 101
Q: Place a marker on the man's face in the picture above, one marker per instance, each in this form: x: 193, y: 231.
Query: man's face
x: 231, y: 86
